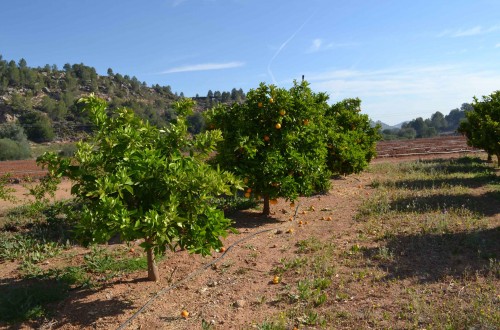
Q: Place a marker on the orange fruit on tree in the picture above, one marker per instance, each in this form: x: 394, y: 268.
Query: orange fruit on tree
x: 278, y: 126
x: 282, y: 112
x: 249, y: 190
x: 247, y: 195
x: 185, y: 314
x: 271, y: 100
x: 266, y: 138
x: 259, y: 104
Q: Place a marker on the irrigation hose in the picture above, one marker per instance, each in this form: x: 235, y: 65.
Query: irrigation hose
x: 193, y: 274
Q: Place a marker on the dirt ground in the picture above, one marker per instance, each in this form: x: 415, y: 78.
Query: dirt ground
x: 230, y: 290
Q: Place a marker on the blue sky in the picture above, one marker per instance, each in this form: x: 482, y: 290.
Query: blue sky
x: 403, y: 59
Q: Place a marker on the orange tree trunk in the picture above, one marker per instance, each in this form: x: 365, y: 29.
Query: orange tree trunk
x: 153, y: 274
x: 266, y: 210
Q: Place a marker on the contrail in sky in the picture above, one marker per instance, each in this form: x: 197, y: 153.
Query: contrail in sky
x: 283, y: 45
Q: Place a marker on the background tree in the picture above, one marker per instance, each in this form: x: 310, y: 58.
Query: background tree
x: 141, y: 182
x: 438, y: 121
x: 13, y: 142
x: 351, y: 141
x: 482, y: 125
x: 37, y: 126
x: 274, y: 141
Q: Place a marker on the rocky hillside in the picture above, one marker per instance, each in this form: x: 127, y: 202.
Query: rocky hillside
x: 42, y: 100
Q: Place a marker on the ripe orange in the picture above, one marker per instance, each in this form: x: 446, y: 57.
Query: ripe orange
x: 185, y: 314
x: 282, y: 112
x: 276, y: 279
x: 329, y: 218
x: 273, y: 201
x: 222, y: 249
x: 290, y: 231
x: 132, y: 250
x: 278, y: 126
x: 271, y: 100
x: 266, y: 138
x: 249, y: 190
x: 259, y: 104
x: 301, y: 222
x: 247, y: 195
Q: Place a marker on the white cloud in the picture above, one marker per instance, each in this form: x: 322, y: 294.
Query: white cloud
x: 319, y: 45
x: 316, y: 46
x: 403, y: 93
x: 474, y: 31
x: 497, y: 45
x: 204, y: 67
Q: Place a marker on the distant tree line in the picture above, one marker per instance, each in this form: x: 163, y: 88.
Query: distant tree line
x: 437, y: 124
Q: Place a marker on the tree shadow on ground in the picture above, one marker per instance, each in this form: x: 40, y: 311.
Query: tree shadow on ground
x: 46, y: 298
x: 458, y: 165
x: 475, y: 182
x: 487, y: 204
x: 246, y: 219
x: 431, y: 257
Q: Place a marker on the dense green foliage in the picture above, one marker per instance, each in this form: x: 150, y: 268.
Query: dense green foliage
x: 274, y: 141
x: 482, y: 127
x: 37, y: 126
x: 351, y: 140
x: 13, y: 142
x: 142, y: 182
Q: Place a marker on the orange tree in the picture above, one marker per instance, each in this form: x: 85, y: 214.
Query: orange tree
x: 482, y: 124
x: 274, y: 141
x: 142, y: 182
x: 351, y: 141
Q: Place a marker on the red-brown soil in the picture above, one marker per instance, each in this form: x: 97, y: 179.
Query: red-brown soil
x: 236, y: 291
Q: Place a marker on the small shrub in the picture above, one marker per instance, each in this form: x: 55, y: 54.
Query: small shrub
x: 13, y: 150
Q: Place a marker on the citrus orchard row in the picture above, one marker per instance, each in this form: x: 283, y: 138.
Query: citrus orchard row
x: 138, y: 181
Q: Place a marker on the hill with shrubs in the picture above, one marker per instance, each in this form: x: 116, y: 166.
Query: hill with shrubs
x: 39, y: 104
